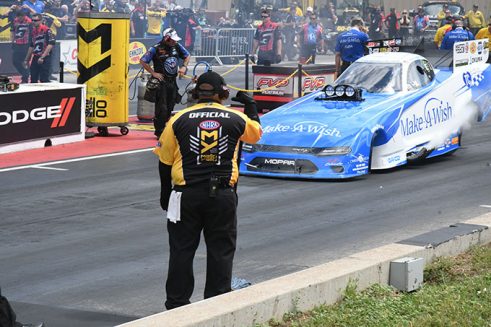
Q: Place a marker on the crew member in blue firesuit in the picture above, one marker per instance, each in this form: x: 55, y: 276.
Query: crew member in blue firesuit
x: 350, y: 45
x: 165, y: 56
x: 457, y: 34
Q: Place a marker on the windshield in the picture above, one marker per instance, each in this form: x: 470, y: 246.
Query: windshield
x: 434, y: 9
x: 373, y: 77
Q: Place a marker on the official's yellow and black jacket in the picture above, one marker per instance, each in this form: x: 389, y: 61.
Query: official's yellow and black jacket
x: 203, y: 140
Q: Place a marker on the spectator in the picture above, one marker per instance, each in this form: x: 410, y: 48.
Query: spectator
x: 185, y: 25
x: 309, y: 38
x: 268, y: 40
x: 440, y: 33
x: 486, y: 33
x: 56, y: 16
x: 420, y: 22
x: 350, y: 45
x: 294, y: 9
x: 80, y: 6
x: 41, y: 43
x: 137, y: 20
x: 20, y: 31
x: 107, y: 6
x: 376, y: 24
x: 442, y: 14
x: 288, y: 29
x: 476, y: 19
x: 169, y: 5
x: 457, y: 34
x: 33, y: 7
x: 328, y: 16
x: 405, y: 23
x: 155, y: 14
x: 392, y: 23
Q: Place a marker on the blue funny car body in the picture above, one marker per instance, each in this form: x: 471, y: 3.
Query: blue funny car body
x: 407, y: 111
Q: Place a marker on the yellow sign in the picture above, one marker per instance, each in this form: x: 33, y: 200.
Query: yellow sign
x: 137, y: 50
x: 4, y: 25
x: 103, y: 66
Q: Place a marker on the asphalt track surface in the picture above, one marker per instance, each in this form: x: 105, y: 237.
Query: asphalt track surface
x: 84, y: 243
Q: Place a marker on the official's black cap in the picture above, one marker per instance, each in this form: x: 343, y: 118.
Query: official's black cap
x: 210, y: 81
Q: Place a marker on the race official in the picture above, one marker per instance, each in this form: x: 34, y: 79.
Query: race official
x: 165, y: 56
x: 268, y: 40
x: 309, y: 38
x: 476, y: 19
x: 20, y: 31
x: 41, y: 43
x: 485, y: 33
x: 457, y: 34
x: 198, y: 156
x: 440, y: 32
x: 350, y: 45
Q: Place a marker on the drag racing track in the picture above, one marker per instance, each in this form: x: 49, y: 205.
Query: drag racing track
x: 84, y: 243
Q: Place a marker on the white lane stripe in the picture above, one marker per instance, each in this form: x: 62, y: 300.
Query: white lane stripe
x: 49, y: 168
x: 76, y: 159
x: 485, y: 206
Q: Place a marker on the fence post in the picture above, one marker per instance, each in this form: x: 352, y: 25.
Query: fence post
x: 62, y: 71
x: 299, y: 80
x: 247, y: 71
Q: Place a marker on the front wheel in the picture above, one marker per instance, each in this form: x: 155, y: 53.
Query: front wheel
x: 124, y: 130
x: 103, y: 131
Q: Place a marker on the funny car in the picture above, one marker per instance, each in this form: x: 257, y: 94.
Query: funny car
x: 385, y: 110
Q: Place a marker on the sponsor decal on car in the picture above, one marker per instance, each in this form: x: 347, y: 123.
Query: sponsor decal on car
x: 436, y: 112
x: 308, y: 127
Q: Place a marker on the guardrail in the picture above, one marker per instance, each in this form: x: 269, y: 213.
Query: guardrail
x: 224, y: 45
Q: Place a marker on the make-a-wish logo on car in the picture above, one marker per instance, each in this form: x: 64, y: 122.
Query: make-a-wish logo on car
x: 436, y: 112
x: 308, y: 127
x: 471, y: 80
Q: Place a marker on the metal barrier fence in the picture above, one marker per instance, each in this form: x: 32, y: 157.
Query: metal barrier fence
x: 224, y: 45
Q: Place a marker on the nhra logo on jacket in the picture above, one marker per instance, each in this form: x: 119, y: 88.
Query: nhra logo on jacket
x: 209, y: 143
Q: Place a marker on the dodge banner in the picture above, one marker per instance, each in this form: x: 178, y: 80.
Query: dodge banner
x: 40, y: 114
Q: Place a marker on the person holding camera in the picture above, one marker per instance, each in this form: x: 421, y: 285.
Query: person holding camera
x: 165, y: 56
x: 268, y: 40
x: 198, y: 153
x: 41, y: 43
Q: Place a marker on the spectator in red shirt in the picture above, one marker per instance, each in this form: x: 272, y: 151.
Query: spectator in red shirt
x: 19, y: 34
x: 40, y: 45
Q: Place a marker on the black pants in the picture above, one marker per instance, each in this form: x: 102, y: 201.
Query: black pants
x: 18, y: 55
x: 166, y: 100
x: 309, y: 52
x: 217, y: 218
x: 344, y: 66
x: 40, y: 72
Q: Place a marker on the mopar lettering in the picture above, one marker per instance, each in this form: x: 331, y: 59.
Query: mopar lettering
x: 279, y: 162
x: 208, y: 114
x: 21, y: 116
